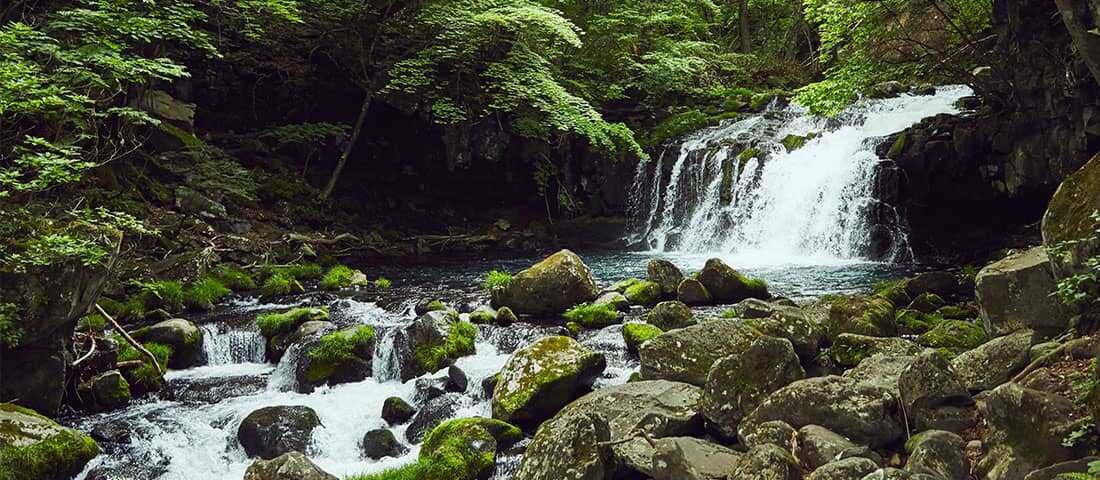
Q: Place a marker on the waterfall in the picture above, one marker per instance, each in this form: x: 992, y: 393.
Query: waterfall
x: 386, y: 364
x: 736, y: 189
x: 227, y: 346
x: 285, y: 378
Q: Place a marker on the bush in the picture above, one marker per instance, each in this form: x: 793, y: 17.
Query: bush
x: 497, y: 279
x: 164, y: 294
x: 591, y: 315
x: 278, y: 323
x: 340, y: 276
x: 205, y: 293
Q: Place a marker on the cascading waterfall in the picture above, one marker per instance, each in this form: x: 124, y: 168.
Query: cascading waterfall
x: 228, y: 346
x: 737, y: 190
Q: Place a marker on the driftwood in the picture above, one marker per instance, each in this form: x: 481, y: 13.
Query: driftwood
x: 88, y: 355
x: 129, y: 339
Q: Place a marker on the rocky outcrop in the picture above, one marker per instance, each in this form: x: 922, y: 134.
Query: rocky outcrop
x: 1018, y: 293
x: 37, y: 448
x: 1025, y: 431
x: 289, y: 466
x: 273, y: 431
x: 549, y: 287
x: 540, y: 379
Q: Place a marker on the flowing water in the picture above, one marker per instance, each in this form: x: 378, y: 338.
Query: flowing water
x: 799, y: 220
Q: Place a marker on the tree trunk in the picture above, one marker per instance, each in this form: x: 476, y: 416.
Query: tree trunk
x: 743, y: 13
x: 355, y: 131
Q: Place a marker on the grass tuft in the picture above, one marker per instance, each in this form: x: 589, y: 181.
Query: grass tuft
x: 591, y: 315
x: 339, y: 276
x: 278, y: 323
x: 496, y: 279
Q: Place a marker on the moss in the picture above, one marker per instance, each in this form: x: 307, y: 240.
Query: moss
x: 186, y: 139
x: 794, y: 142
x: 456, y: 450
x: 898, y: 148
x: 634, y: 377
x: 504, y: 433
x: 574, y: 328
x: 383, y: 283
x: 927, y: 302
x: 436, y: 306
x: 113, y: 307
x: 280, y: 284
x: 894, y: 291
x: 731, y: 313
x: 337, y: 277
x: 460, y: 342
x: 954, y: 312
x: 279, y: 323
x: 746, y: 155
x: 203, y: 294
x: 92, y: 323
x: 635, y: 334
x: 482, y: 317
x: 872, y: 316
x: 58, y: 456
x: 234, y: 278
x: 162, y: 294
x: 146, y: 377
x: 119, y: 392
x: 683, y: 123
x: 404, y: 472
x: 297, y: 271
x: 496, y: 279
x: 916, y: 322
x: 593, y: 316
x: 643, y: 292
x: 337, y: 349
x: 954, y: 335
x: 555, y: 364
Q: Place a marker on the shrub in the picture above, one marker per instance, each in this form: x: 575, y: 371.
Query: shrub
x: 165, y: 294
x: 497, y: 279
x: 591, y: 315
x: 436, y: 305
x: 278, y: 323
x: 205, y: 293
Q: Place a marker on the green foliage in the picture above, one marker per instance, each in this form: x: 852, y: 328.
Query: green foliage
x: 93, y: 322
x: 460, y: 341
x: 496, y: 279
x: 10, y: 331
x: 234, y: 278
x: 406, y: 472
x: 151, y: 295
x: 279, y: 323
x: 730, y: 314
x: 56, y: 456
x: 1092, y: 474
x: 297, y: 271
x: 203, y: 294
x: 436, y: 306
x: 383, y: 283
x: 280, y: 284
x: 339, y: 276
x: 146, y: 377
x: 336, y: 349
x: 635, y: 334
x: 1081, y: 289
x: 591, y: 315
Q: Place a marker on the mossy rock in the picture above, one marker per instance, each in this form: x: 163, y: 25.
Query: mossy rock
x: 727, y: 285
x: 33, y: 447
x: 955, y: 335
x: 670, y: 315
x: 955, y: 312
x: 643, y: 292
x: 594, y: 315
x: 104, y: 392
x: 871, y: 316
x: 915, y: 322
x: 927, y: 302
x: 540, y: 379
x: 636, y: 334
x: 549, y: 287
x: 850, y: 349
x: 184, y: 337
x: 896, y: 292
x: 342, y: 356
x: 436, y: 339
x: 281, y: 323
x: 463, y: 449
x: 794, y: 142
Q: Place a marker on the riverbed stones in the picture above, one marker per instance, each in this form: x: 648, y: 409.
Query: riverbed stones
x: 793, y: 324
x: 670, y: 315
x: 846, y: 469
x: 288, y: 466
x: 272, y: 431
x: 994, y: 362
x: 435, y: 340
x: 396, y: 411
x: 776, y: 432
x: 882, y: 371
x: 105, y: 391
x: 848, y: 349
x: 543, y: 377
x: 688, y: 458
x: 431, y: 414
x: 927, y: 386
x: 343, y: 356
x: 738, y: 383
x: 692, y: 292
x: 818, y: 446
x: 937, y: 453
x: 864, y: 413
x: 665, y: 274
x: 1018, y: 292
x: 549, y: 287
x: 181, y: 335
x: 767, y: 462
x: 566, y: 443
x: 686, y: 355
x: 727, y: 285
x: 380, y: 443
x: 614, y: 299
x: 643, y: 292
x: 35, y: 447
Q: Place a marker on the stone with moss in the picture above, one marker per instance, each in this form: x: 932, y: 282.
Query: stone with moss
x: 540, y: 379
x: 636, y: 334
x: 593, y: 315
x: 279, y: 285
x: 549, y: 287
x: 955, y: 335
x: 104, y: 392
x: 139, y: 371
x: 915, y: 322
x: 342, y: 276
x: 863, y: 315
x: 342, y: 356
x: 280, y: 323
x: 464, y: 449
x: 1068, y: 221
x: 794, y: 142
x: 927, y: 303
x: 483, y: 316
x: 203, y: 294
x: 574, y: 329
x: 736, y: 384
x: 727, y: 285
x: 615, y: 299
x: 671, y: 315
x: 955, y: 312
x: 849, y: 349
x: 896, y: 292
x: 33, y: 447
x: 643, y: 292
x: 794, y: 325
x: 692, y: 292
x: 436, y: 339
x: 687, y: 355
x: 506, y: 317
x: 182, y: 336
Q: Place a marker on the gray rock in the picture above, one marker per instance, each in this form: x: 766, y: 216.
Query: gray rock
x: 754, y: 308
x: 727, y: 285
x: 927, y: 384
x: 1025, y: 430
x: 614, y: 298
x: 882, y: 370
x: 686, y: 355
x: 776, y: 432
x: 889, y: 474
x: 105, y: 391
x: 846, y: 469
x: 289, y: 466
x: 572, y: 445
x: 381, y: 443
x: 430, y: 415
x: 279, y: 344
x: 457, y: 381
x: 665, y: 274
x: 272, y: 431
x: 692, y: 292
x: 767, y: 462
x: 183, y: 336
x: 818, y: 446
x: 849, y: 349
x: 793, y: 324
x: 430, y: 330
x: 1017, y: 293
x: 738, y: 383
x: 687, y: 458
x: 994, y: 362
x: 1052, y: 472
x: 62, y: 452
x: 866, y: 414
x: 671, y: 315
x: 938, y: 453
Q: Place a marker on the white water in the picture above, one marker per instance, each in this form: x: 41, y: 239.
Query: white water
x: 807, y: 206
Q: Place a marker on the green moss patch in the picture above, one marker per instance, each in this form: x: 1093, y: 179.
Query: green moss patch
x: 279, y: 285
x: 59, y: 456
x: 279, y: 323
x: 955, y: 335
x: 591, y: 315
x: 643, y: 292
x: 297, y: 271
x: 203, y: 294
x: 405, y: 472
x: 337, y: 349
x: 145, y: 378
x: 234, y: 278
x: 635, y: 334
x: 460, y: 342
x: 339, y: 276
x: 496, y: 279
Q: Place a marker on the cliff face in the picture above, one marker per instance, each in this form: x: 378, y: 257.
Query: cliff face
x: 966, y: 180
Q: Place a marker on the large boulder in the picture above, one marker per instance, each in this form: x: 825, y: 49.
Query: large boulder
x: 464, y: 449
x: 937, y: 453
x: 665, y: 274
x: 692, y: 292
x: 1069, y: 219
x: 34, y: 447
x: 343, y: 356
x: 1026, y: 430
x: 846, y: 469
x: 818, y: 446
x: 849, y: 349
x: 687, y: 458
x: 184, y: 337
x: 994, y: 362
x: 395, y: 411
x: 272, y: 431
x: 738, y: 383
x: 569, y: 441
x: 288, y: 466
x: 549, y: 287
x: 861, y: 315
x: 670, y: 315
x: 543, y: 377
x: 435, y: 340
x: 1018, y: 292
x: 104, y: 391
x: 686, y: 355
x: 791, y: 323
x: 431, y: 414
x: 882, y: 370
x: 929, y: 389
x: 865, y: 413
x: 727, y: 285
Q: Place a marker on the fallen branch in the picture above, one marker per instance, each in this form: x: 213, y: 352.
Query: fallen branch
x: 297, y: 237
x: 88, y: 355
x: 1040, y: 362
x: 129, y: 339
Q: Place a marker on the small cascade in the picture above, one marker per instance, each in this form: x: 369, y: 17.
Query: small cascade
x: 226, y: 346
x: 386, y: 363
x: 284, y: 378
x: 782, y: 186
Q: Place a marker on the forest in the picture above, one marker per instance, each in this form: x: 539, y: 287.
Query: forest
x: 549, y: 239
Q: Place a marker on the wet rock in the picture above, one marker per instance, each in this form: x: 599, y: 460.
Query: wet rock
x: 279, y: 344
x: 430, y: 415
x: 643, y: 292
x: 289, y: 466
x: 540, y: 379
x: 738, y: 383
x: 272, y: 431
x: 793, y: 324
x: 435, y: 340
x: 665, y: 274
x: 727, y: 285
x: 396, y: 411
x: 1018, y: 292
x: 937, y: 453
x: 614, y: 298
x: 928, y: 384
x: 994, y: 362
x: 52, y: 451
x: 112, y: 432
x: 845, y: 469
x: 457, y: 381
x: 819, y: 446
x: 488, y: 384
x: 549, y: 287
x: 381, y: 443
x: 571, y: 444
x: 213, y: 389
x: 104, y: 392
x: 776, y: 432
x: 892, y: 474
x: 862, y: 412
x: 637, y: 334
x: 687, y: 458
x: 183, y: 336
x: 686, y: 355
x: 767, y: 462
x: 692, y: 292
x: 888, y: 89
x: 506, y: 317
x: 429, y: 388
x: 882, y: 371
x: 670, y: 315
x: 483, y: 315
x: 343, y: 356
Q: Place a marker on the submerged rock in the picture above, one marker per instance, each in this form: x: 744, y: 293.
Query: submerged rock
x: 549, y: 287
x: 34, y: 447
x: 727, y: 285
x: 540, y: 379
x: 289, y: 466
x: 686, y: 355
x: 272, y: 431
x: 1018, y: 292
